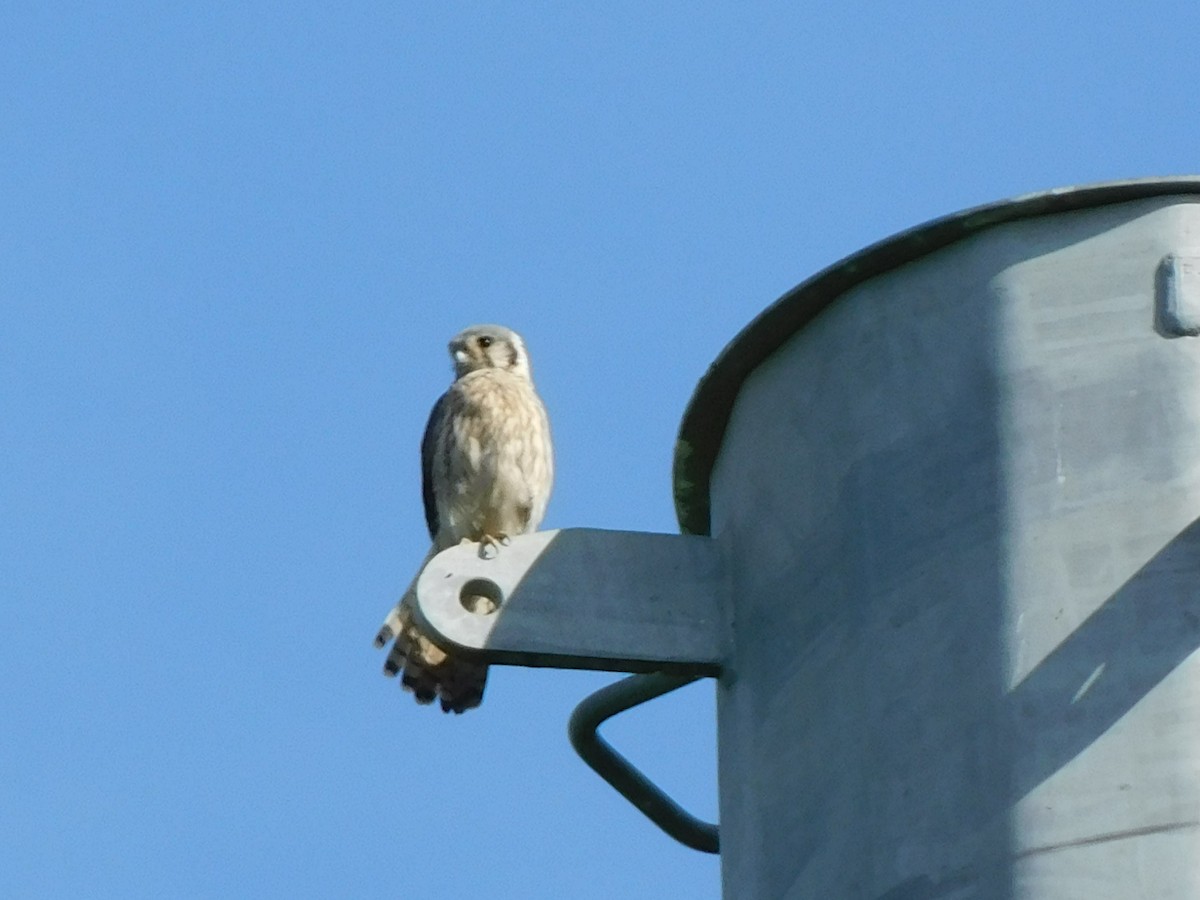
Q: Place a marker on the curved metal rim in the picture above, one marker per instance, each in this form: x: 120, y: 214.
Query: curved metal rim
x: 707, y: 415
x: 614, y: 768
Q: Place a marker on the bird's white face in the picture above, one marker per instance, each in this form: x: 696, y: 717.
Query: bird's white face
x: 488, y: 347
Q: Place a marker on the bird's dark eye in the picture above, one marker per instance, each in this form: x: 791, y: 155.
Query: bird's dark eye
x: 484, y: 342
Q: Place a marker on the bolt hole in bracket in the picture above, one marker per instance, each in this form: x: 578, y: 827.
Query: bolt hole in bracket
x: 481, y: 596
x: 583, y: 598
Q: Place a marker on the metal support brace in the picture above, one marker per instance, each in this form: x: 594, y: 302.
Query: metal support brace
x: 584, y: 732
x: 584, y: 598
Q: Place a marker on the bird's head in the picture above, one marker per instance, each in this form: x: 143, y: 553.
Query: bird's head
x: 489, y: 347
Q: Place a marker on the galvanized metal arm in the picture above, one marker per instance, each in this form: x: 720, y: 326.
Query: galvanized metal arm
x: 582, y: 598
x: 589, y: 599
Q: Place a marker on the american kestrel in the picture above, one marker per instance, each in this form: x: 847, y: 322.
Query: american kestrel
x: 487, y: 466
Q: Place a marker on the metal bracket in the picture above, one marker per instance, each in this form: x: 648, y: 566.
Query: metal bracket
x: 582, y: 598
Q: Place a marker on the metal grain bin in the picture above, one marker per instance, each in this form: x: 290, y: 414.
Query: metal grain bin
x: 957, y: 478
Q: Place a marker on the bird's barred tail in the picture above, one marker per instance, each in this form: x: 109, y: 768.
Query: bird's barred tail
x: 425, y: 669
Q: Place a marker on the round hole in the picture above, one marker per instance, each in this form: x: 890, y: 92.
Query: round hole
x: 481, y: 596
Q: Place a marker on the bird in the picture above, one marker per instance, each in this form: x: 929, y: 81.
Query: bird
x: 487, y: 468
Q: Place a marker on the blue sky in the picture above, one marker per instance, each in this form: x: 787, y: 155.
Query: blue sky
x: 234, y: 240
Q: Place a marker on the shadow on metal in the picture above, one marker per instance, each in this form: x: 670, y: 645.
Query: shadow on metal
x: 1107, y: 666
x: 583, y: 730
